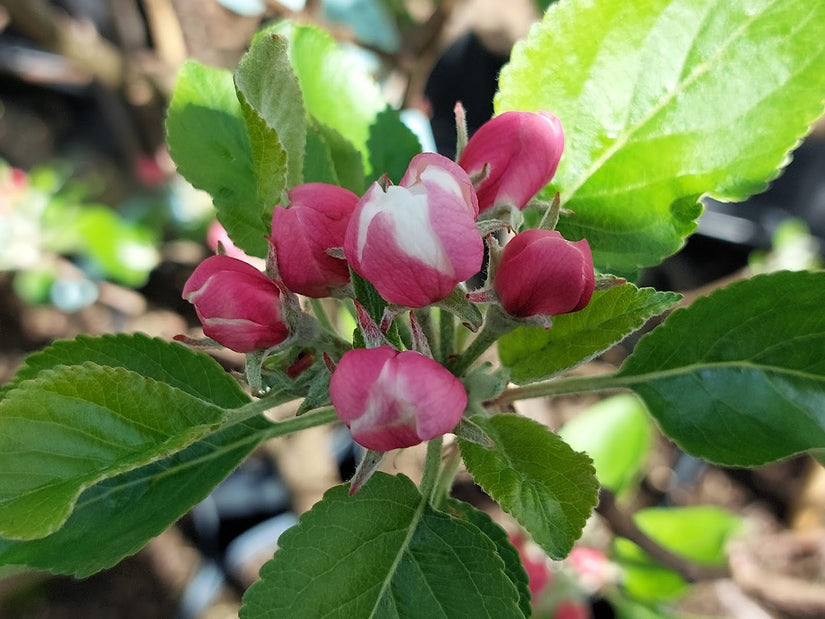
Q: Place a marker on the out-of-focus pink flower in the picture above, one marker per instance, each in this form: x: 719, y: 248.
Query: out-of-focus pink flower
x: 238, y: 306
x: 315, y: 222
x: 216, y: 233
x: 542, y: 273
x: 417, y: 240
x: 521, y: 151
x: 392, y: 399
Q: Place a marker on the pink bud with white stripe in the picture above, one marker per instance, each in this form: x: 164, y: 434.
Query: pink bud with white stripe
x: 391, y: 399
x: 416, y: 241
x: 512, y: 156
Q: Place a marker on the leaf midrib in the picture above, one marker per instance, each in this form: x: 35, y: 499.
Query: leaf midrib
x: 624, y: 138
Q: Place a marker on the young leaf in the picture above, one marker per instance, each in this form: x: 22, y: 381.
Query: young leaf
x: 383, y: 552
x: 662, y: 102
x: 116, y: 517
x: 533, y: 353
x: 195, y: 373
x: 337, y: 93
x: 208, y: 141
x: 330, y: 158
x: 273, y: 108
x: 698, y: 533
x: 508, y: 553
x: 536, y: 477
x: 738, y: 377
x: 617, y: 434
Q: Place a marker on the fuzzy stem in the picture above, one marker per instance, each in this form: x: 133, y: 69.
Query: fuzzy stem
x: 431, y: 466
x: 446, y: 340
x: 564, y: 386
x: 446, y: 475
x: 321, y: 315
x: 496, y: 324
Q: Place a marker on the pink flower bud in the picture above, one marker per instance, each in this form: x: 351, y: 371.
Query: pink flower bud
x: 390, y: 399
x: 522, y: 151
x: 417, y: 240
x: 315, y: 222
x: 238, y: 306
x: 542, y: 273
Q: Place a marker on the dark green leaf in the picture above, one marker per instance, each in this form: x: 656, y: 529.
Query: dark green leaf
x: 195, y: 373
x: 663, y: 101
x: 208, y: 141
x: 508, y: 553
x: 383, y: 552
x: 73, y: 426
x: 536, y: 477
x: 391, y: 145
x: 596, y: 431
x: 331, y: 159
x: 739, y: 376
x: 533, y: 353
x: 116, y: 517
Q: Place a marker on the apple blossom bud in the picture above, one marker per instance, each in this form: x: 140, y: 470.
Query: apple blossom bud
x: 417, y: 240
x: 520, y: 151
x: 542, y: 273
x: 392, y: 399
x: 238, y: 306
x: 303, y: 233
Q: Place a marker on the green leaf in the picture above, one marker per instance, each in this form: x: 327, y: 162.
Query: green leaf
x: 337, y: 93
x: 383, y: 552
x: 533, y: 353
x: 536, y: 477
x: 208, y: 141
x: 195, y: 373
x: 738, y: 377
x: 391, y: 145
x: 330, y: 158
x: 74, y: 426
x: 595, y: 432
x: 508, y: 553
x: 117, y: 516
x: 664, y: 101
x: 273, y: 108
x: 698, y: 534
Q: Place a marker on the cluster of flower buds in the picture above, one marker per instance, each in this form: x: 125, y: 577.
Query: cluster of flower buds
x: 415, y: 242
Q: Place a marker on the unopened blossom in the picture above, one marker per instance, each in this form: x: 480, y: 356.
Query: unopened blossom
x: 542, y: 273
x: 391, y: 399
x: 238, y: 306
x: 417, y: 240
x: 512, y: 156
x: 304, y: 233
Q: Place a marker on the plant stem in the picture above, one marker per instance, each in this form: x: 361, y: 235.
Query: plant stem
x: 496, y: 324
x: 446, y: 475
x: 446, y: 339
x: 321, y: 315
x: 431, y: 466
x: 315, y: 418
x: 563, y: 386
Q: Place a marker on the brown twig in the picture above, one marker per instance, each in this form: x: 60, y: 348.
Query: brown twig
x: 622, y: 524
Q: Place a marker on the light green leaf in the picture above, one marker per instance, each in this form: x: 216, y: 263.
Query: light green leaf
x: 195, y: 373
x: 533, y: 353
x: 337, y: 92
x: 663, y: 101
x: 535, y: 477
x: 208, y: 140
x: 116, y: 517
x: 383, y: 552
x: 698, y: 534
x: 738, y: 377
x: 617, y: 434
x: 272, y: 105
x: 73, y: 426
